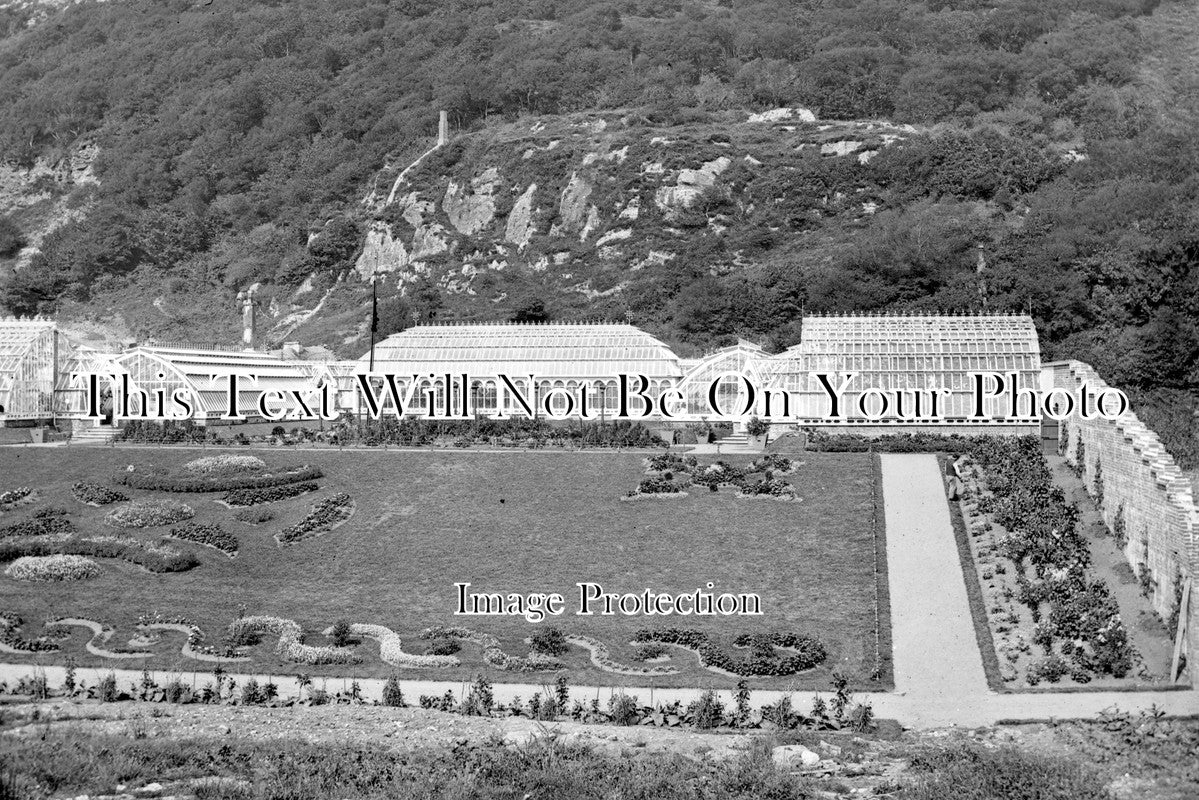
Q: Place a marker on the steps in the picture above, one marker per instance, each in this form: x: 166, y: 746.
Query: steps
x: 94, y: 437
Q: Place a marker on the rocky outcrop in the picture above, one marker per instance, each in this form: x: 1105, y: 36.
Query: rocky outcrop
x: 572, y: 209
x: 380, y: 252
x: 470, y: 211
x: 520, y: 227
x: 690, y: 184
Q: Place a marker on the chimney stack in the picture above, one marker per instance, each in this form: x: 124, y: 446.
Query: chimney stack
x: 247, y: 318
x: 443, y: 128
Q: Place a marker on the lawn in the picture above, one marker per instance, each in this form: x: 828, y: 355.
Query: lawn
x: 506, y: 522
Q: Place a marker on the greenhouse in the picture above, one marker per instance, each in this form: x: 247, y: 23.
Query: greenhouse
x: 562, y: 356
x: 203, y: 374
x: 896, y: 355
x: 32, y: 352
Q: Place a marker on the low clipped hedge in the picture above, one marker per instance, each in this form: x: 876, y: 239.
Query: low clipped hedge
x: 172, y: 482
x: 253, y: 497
x: 891, y: 443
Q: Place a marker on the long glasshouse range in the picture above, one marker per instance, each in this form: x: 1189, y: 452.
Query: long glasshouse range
x: 871, y: 371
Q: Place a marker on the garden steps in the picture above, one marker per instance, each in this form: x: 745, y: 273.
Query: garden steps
x: 93, y: 436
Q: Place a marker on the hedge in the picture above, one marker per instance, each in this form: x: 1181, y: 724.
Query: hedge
x: 165, y: 482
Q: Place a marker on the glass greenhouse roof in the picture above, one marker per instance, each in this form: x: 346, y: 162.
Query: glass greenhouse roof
x: 565, y: 350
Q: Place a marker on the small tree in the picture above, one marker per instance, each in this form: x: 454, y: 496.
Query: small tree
x: 707, y: 711
x: 480, y: 700
x: 341, y: 633
x: 392, y: 694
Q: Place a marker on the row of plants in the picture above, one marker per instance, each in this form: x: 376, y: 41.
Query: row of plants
x: 324, y: 516
x: 253, y: 497
x: 165, y: 481
x: 541, y: 657
x: 93, y: 494
x: 1071, y: 609
x: 54, y: 568
x: 768, y: 487
x: 210, y: 535
x: 805, y: 652
x: 670, y: 474
x: 919, y: 442
x: 148, y: 514
x: 510, y: 432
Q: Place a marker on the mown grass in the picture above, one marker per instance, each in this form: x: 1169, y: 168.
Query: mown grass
x: 505, y: 522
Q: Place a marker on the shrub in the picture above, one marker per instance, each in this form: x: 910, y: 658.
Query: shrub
x: 340, y: 633
x: 648, y: 652
x: 442, y: 646
x: 623, y: 709
x: 707, y: 711
x: 53, y: 568
x: 253, y: 497
x: 549, y: 641
x: 392, y: 695
x: 970, y: 771
x: 210, y: 535
x: 14, y: 496
x: 148, y: 514
x: 94, y: 494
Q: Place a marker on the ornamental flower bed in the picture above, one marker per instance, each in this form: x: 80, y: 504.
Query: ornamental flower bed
x: 148, y: 514
x: 52, y: 568
x: 324, y: 516
x: 391, y: 649
x: 291, y: 641
x: 225, y: 464
x: 154, y: 558
x: 253, y: 497
x: 1075, y: 618
x: 670, y: 462
x: 656, y: 487
x: 161, y: 481
x: 39, y: 525
x: 493, y: 654
x: 763, y: 659
x: 10, y: 637
x: 209, y: 535
x: 93, y: 494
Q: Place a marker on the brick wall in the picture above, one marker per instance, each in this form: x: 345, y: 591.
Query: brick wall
x: 1142, y: 484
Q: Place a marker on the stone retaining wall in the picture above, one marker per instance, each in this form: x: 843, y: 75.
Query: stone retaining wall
x: 1143, y: 487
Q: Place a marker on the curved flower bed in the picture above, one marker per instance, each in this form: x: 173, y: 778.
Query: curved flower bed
x: 324, y: 516
x: 213, y: 536
x: 52, y: 568
x: 493, y: 654
x: 656, y: 486
x: 151, y: 557
x: 291, y: 641
x: 391, y: 649
x: 253, y: 497
x: 162, y: 481
x: 93, y: 494
x: 148, y: 514
x: 763, y: 660
x: 601, y: 657
x: 100, y: 635
x: 770, y: 489
x: 11, y: 640
x: 38, y: 525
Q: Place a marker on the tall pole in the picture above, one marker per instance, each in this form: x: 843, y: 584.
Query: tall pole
x: 374, y: 318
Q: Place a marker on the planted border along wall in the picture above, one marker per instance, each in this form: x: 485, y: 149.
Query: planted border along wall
x: 1140, y: 481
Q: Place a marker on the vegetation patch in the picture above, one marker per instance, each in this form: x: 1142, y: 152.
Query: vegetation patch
x: 93, y: 494
x: 324, y: 516
x: 188, y: 481
x: 807, y: 652
x: 52, y: 568
x: 209, y: 535
x: 253, y: 497
x: 148, y: 514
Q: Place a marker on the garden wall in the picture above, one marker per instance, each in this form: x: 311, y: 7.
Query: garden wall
x: 1146, y: 499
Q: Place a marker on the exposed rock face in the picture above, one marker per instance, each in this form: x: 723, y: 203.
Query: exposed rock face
x: 690, y: 185
x: 47, y: 180
x: 783, y: 114
x: 380, y: 252
x: 572, y: 209
x: 841, y: 148
x: 520, y: 227
x: 471, y: 211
